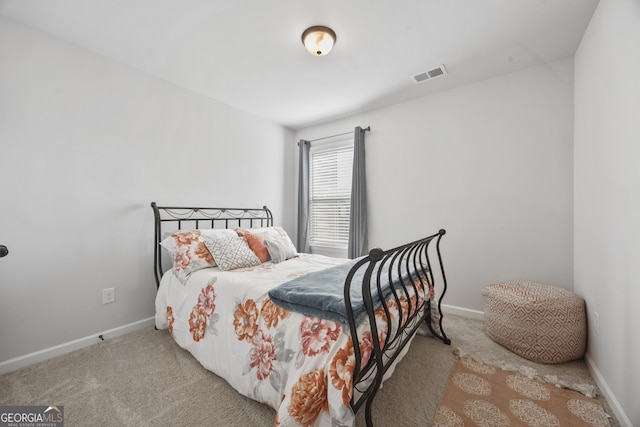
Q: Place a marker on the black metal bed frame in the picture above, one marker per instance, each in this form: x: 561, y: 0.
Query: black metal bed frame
x: 403, y: 265
x: 210, y: 217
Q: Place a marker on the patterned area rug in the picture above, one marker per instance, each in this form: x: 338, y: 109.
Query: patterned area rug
x: 482, y: 395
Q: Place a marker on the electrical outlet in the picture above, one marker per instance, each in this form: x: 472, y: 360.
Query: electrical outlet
x: 108, y: 295
x: 596, y: 322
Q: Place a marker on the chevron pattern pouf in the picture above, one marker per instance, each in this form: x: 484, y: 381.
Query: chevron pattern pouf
x: 539, y: 322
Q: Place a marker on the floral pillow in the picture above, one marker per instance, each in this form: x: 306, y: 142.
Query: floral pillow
x: 188, y: 251
x: 232, y: 252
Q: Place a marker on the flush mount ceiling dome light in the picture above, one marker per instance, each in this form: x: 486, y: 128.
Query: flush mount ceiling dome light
x: 318, y: 40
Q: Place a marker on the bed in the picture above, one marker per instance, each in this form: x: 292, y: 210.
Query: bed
x: 293, y: 331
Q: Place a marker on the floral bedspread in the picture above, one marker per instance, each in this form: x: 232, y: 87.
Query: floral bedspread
x: 300, y: 365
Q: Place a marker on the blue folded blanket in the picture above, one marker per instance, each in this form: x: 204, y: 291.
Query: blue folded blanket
x: 321, y: 294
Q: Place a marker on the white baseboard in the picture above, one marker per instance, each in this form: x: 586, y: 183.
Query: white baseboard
x: 607, y: 393
x: 58, y: 350
x: 461, y: 311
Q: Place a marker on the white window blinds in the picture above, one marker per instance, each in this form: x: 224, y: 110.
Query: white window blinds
x: 330, y: 195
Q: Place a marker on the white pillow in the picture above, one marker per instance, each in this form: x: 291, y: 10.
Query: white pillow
x: 281, y: 249
x: 273, y: 232
x: 232, y: 252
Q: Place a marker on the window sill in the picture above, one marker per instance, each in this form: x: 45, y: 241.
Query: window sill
x: 330, y: 251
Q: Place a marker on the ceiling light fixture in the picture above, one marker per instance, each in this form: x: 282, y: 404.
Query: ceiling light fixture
x: 318, y: 40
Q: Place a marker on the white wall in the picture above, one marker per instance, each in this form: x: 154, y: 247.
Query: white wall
x: 86, y: 145
x: 489, y: 162
x: 607, y: 197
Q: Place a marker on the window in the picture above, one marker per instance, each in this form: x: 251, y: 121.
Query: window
x: 330, y: 170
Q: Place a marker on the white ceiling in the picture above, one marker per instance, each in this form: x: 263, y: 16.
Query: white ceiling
x: 248, y: 53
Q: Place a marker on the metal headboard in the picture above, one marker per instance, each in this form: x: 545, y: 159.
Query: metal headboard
x: 189, y: 218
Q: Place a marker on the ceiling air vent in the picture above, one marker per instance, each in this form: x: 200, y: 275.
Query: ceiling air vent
x: 431, y: 74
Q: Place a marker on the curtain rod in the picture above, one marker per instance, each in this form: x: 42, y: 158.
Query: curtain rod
x: 367, y: 129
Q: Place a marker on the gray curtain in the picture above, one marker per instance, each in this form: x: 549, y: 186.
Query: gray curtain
x: 358, y: 213
x: 303, y: 197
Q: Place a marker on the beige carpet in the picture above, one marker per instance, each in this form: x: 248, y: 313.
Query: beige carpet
x: 145, y: 379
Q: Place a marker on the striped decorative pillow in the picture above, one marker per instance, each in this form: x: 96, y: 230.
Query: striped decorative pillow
x: 281, y: 249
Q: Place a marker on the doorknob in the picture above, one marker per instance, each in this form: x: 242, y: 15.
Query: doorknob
x: 3, y: 251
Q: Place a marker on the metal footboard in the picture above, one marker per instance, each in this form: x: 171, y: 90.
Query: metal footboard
x: 404, y: 277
